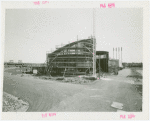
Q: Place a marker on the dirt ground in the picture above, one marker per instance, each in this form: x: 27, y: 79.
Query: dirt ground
x: 13, y: 104
x: 49, y: 95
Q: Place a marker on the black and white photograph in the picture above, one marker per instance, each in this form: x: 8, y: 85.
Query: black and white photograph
x: 73, y: 60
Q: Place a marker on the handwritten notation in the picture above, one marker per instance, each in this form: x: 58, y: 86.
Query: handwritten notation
x: 48, y: 115
x: 40, y: 2
x: 130, y: 116
x: 110, y: 5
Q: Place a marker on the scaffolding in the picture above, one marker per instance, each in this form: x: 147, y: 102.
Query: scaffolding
x: 77, y: 58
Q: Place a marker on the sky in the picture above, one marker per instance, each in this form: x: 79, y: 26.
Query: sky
x: 30, y: 33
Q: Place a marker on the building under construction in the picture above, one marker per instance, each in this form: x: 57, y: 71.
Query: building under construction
x: 77, y: 58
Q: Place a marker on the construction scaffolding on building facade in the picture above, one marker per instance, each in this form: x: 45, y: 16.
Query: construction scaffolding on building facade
x: 76, y: 58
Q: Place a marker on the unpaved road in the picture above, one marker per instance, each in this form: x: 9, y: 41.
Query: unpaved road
x: 46, y: 95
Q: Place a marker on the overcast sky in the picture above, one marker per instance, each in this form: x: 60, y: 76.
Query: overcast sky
x: 29, y: 33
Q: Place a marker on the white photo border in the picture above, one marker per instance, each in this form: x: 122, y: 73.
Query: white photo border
x: 144, y: 115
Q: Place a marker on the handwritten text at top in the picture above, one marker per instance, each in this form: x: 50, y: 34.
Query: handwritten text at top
x: 40, y: 2
x: 109, y: 5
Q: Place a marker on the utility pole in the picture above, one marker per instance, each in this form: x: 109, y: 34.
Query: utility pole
x: 94, y: 45
x: 94, y: 57
x: 99, y: 65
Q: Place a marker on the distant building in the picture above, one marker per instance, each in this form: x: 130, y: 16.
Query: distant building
x: 104, y: 58
x: 113, y: 65
x: 11, y: 61
x: 19, y: 61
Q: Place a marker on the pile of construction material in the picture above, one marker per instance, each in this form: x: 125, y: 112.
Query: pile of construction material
x: 75, y: 80
x: 13, y: 104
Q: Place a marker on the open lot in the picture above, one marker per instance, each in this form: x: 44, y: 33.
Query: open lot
x: 50, y: 95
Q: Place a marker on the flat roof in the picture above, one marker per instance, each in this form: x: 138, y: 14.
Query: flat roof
x: 101, y: 52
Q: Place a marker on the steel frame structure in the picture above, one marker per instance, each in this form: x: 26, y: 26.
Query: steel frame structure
x: 77, y: 58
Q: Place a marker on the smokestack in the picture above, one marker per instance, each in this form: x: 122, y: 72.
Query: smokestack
x: 113, y: 53
x: 121, y: 54
x: 116, y: 52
